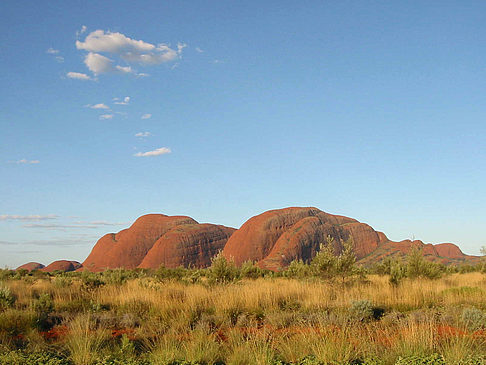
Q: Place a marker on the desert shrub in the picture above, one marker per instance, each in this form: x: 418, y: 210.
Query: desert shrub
x: 398, y: 272
x: 361, y: 310
x: 193, y: 276
x: 43, y: 358
x: 62, y: 281
x: 473, y: 318
x: 16, y: 322
x: 419, y: 267
x: 222, y: 271
x: 249, y: 270
x: 19, y: 274
x: 6, y: 274
x: 297, y: 269
x: 327, y: 265
x: 118, y: 276
x: 42, y: 307
x: 91, y: 281
x: 345, y: 265
x: 383, y: 267
x: 434, y: 359
x: 7, y: 299
x: 324, y: 262
x: 165, y: 273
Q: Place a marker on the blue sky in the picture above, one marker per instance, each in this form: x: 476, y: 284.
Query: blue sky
x: 221, y: 110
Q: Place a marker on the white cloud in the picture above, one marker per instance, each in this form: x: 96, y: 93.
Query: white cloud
x: 25, y: 161
x: 81, y: 31
x: 146, y: 116
x: 142, y: 74
x: 125, y: 101
x: 199, y: 50
x: 128, y: 49
x: 156, y: 152
x: 78, y: 75
x: 60, y: 59
x: 126, y: 69
x: 106, y: 116
x: 99, y: 41
x: 143, y: 134
x: 35, y: 217
x: 52, y: 51
x: 98, y: 63
x: 98, y: 106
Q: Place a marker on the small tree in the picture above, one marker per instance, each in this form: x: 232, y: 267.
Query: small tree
x: 327, y: 265
x: 222, y: 271
x: 324, y: 262
x: 346, y: 261
x: 418, y: 266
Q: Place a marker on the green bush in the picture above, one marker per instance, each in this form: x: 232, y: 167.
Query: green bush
x: 434, y: 359
x: 419, y: 267
x: 297, y: 269
x: 16, y: 322
x: 249, y: 270
x: 44, y: 358
x: 91, y: 281
x: 361, y: 310
x: 222, y: 271
x: 7, y: 299
x: 62, y: 281
x: 43, y: 306
x: 118, y: 276
x: 6, y: 274
x: 398, y: 272
x: 164, y: 273
x: 473, y: 318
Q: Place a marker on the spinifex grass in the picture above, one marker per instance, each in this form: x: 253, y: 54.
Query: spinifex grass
x: 259, y: 321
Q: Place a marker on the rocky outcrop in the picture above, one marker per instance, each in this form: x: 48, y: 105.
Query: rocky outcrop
x: 157, y: 239
x: 31, y: 266
x: 62, y: 265
x: 187, y: 245
x: 277, y: 237
x: 273, y: 239
x: 444, y: 253
x: 128, y: 248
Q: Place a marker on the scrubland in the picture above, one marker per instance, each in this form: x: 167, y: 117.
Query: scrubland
x: 224, y: 315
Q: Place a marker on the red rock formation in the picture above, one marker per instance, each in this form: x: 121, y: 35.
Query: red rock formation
x: 273, y: 239
x: 277, y: 237
x: 445, y: 253
x: 31, y: 266
x: 128, y: 248
x: 449, y: 250
x: 62, y: 265
x: 187, y: 245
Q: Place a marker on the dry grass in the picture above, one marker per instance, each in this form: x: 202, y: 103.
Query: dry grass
x: 262, y: 321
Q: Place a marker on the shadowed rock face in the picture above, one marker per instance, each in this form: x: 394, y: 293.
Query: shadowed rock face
x: 62, y: 265
x: 187, y: 245
x: 277, y: 237
x: 31, y: 266
x: 128, y: 248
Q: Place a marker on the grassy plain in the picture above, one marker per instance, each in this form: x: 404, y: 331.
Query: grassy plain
x: 137, y: 318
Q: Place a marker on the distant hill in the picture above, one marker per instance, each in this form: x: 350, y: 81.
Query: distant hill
x: 272, y: 239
